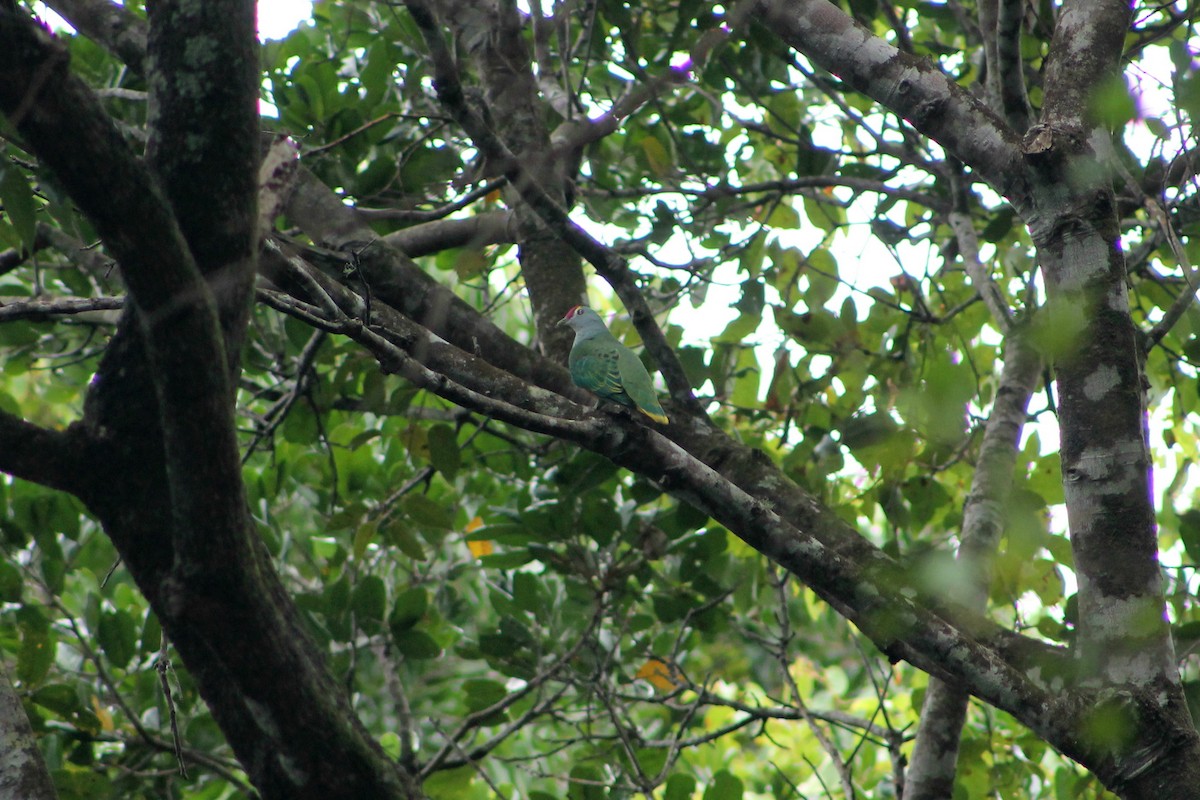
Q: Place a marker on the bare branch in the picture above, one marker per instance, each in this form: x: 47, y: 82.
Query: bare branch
x: 968, y: 248
x: 1186, y: 298
x: 910, y: 86
x: 410, y: 215
x: 478, y: 231
x: 43, y: 308
x: 114, y: 27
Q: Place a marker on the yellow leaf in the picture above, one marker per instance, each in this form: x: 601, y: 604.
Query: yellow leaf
x: 656, y: 156
x: 475, y: 524
x: 479, y: 549
x: 661, y: 674
x: 102, y: 714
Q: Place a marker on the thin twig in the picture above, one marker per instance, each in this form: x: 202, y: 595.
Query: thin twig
x: 163, y: 665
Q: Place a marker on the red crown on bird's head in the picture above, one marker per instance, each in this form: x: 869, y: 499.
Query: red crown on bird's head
x: 573, y: 312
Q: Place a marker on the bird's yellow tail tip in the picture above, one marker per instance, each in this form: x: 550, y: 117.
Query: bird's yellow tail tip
x: 661, y: 419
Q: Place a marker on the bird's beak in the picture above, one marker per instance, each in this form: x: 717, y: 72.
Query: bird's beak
x: 562, y: 321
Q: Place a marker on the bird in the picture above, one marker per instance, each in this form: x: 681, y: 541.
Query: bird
x: 604, y: 366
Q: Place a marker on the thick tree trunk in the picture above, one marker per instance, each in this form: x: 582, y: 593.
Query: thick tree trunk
x: 23, y: 773
x: 156, y: 456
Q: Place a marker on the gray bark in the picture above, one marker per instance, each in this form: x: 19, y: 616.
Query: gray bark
x: 23, y: 772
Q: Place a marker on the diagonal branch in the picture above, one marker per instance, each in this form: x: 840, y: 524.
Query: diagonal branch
x: 397, y: 281
x: 912, y: 87
x: 868, y: 588
x: 610, y: 266
x: 114, y: 26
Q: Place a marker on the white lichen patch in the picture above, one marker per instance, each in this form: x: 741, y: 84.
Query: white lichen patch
x: 1102, y: 381
x: 262, y: 717
x: 266, y: 721
x: 1118, y: 619
x: 1083, y: 258
x: 1108, y: 462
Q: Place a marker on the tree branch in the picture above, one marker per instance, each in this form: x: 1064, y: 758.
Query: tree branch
x: 478, y: 231
x: 395, y: 280
x: 610, y: 266
x: 932, y: 768
x: 36, y: 454
x: 1000, y: 25
x: 910, y: 86
x: 45, y: 307
x: 862, y: 583
x: 1088, y: 37
x: 576, y: 134
x: 114, y: 27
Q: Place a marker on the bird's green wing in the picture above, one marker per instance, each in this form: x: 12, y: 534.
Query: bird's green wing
x: 638, y: 386
x: 596, y: 370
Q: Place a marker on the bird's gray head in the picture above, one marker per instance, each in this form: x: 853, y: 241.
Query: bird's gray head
x: 582, y: 319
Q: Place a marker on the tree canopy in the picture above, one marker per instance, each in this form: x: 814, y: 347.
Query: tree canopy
x: 297, y: 498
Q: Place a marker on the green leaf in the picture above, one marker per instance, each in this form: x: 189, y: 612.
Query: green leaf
x: 820, y: 270
x: 1112, y: 104
x: 825, y: 215
x: 443, y: 450
x: 724, y: 786
x: 410, y: 607
x: 584, y: 472
x: 587, y: 783
x: 11, y: 583
x: 362, y: 538
x: 19, y: 205
x: 483, y: 694
x: 79, y: 783
x: 525, y: 592
x: 427, y: 513
x: 512, y: 560
x: 397, y: 533
x: 369, y: 599
x: 390, y: 743
x: 679, y: 787
x: 151, y: 637
x: 118, y: 635
x: 450, y: 784
x: 1189, y: 533
x: 417, y: 645
x: 740, y: 328
x: 37, y: 646
x: 745, y: 379
x: 651, y: 759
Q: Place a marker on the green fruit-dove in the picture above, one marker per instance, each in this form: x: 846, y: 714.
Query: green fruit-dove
x: 601, y: 364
